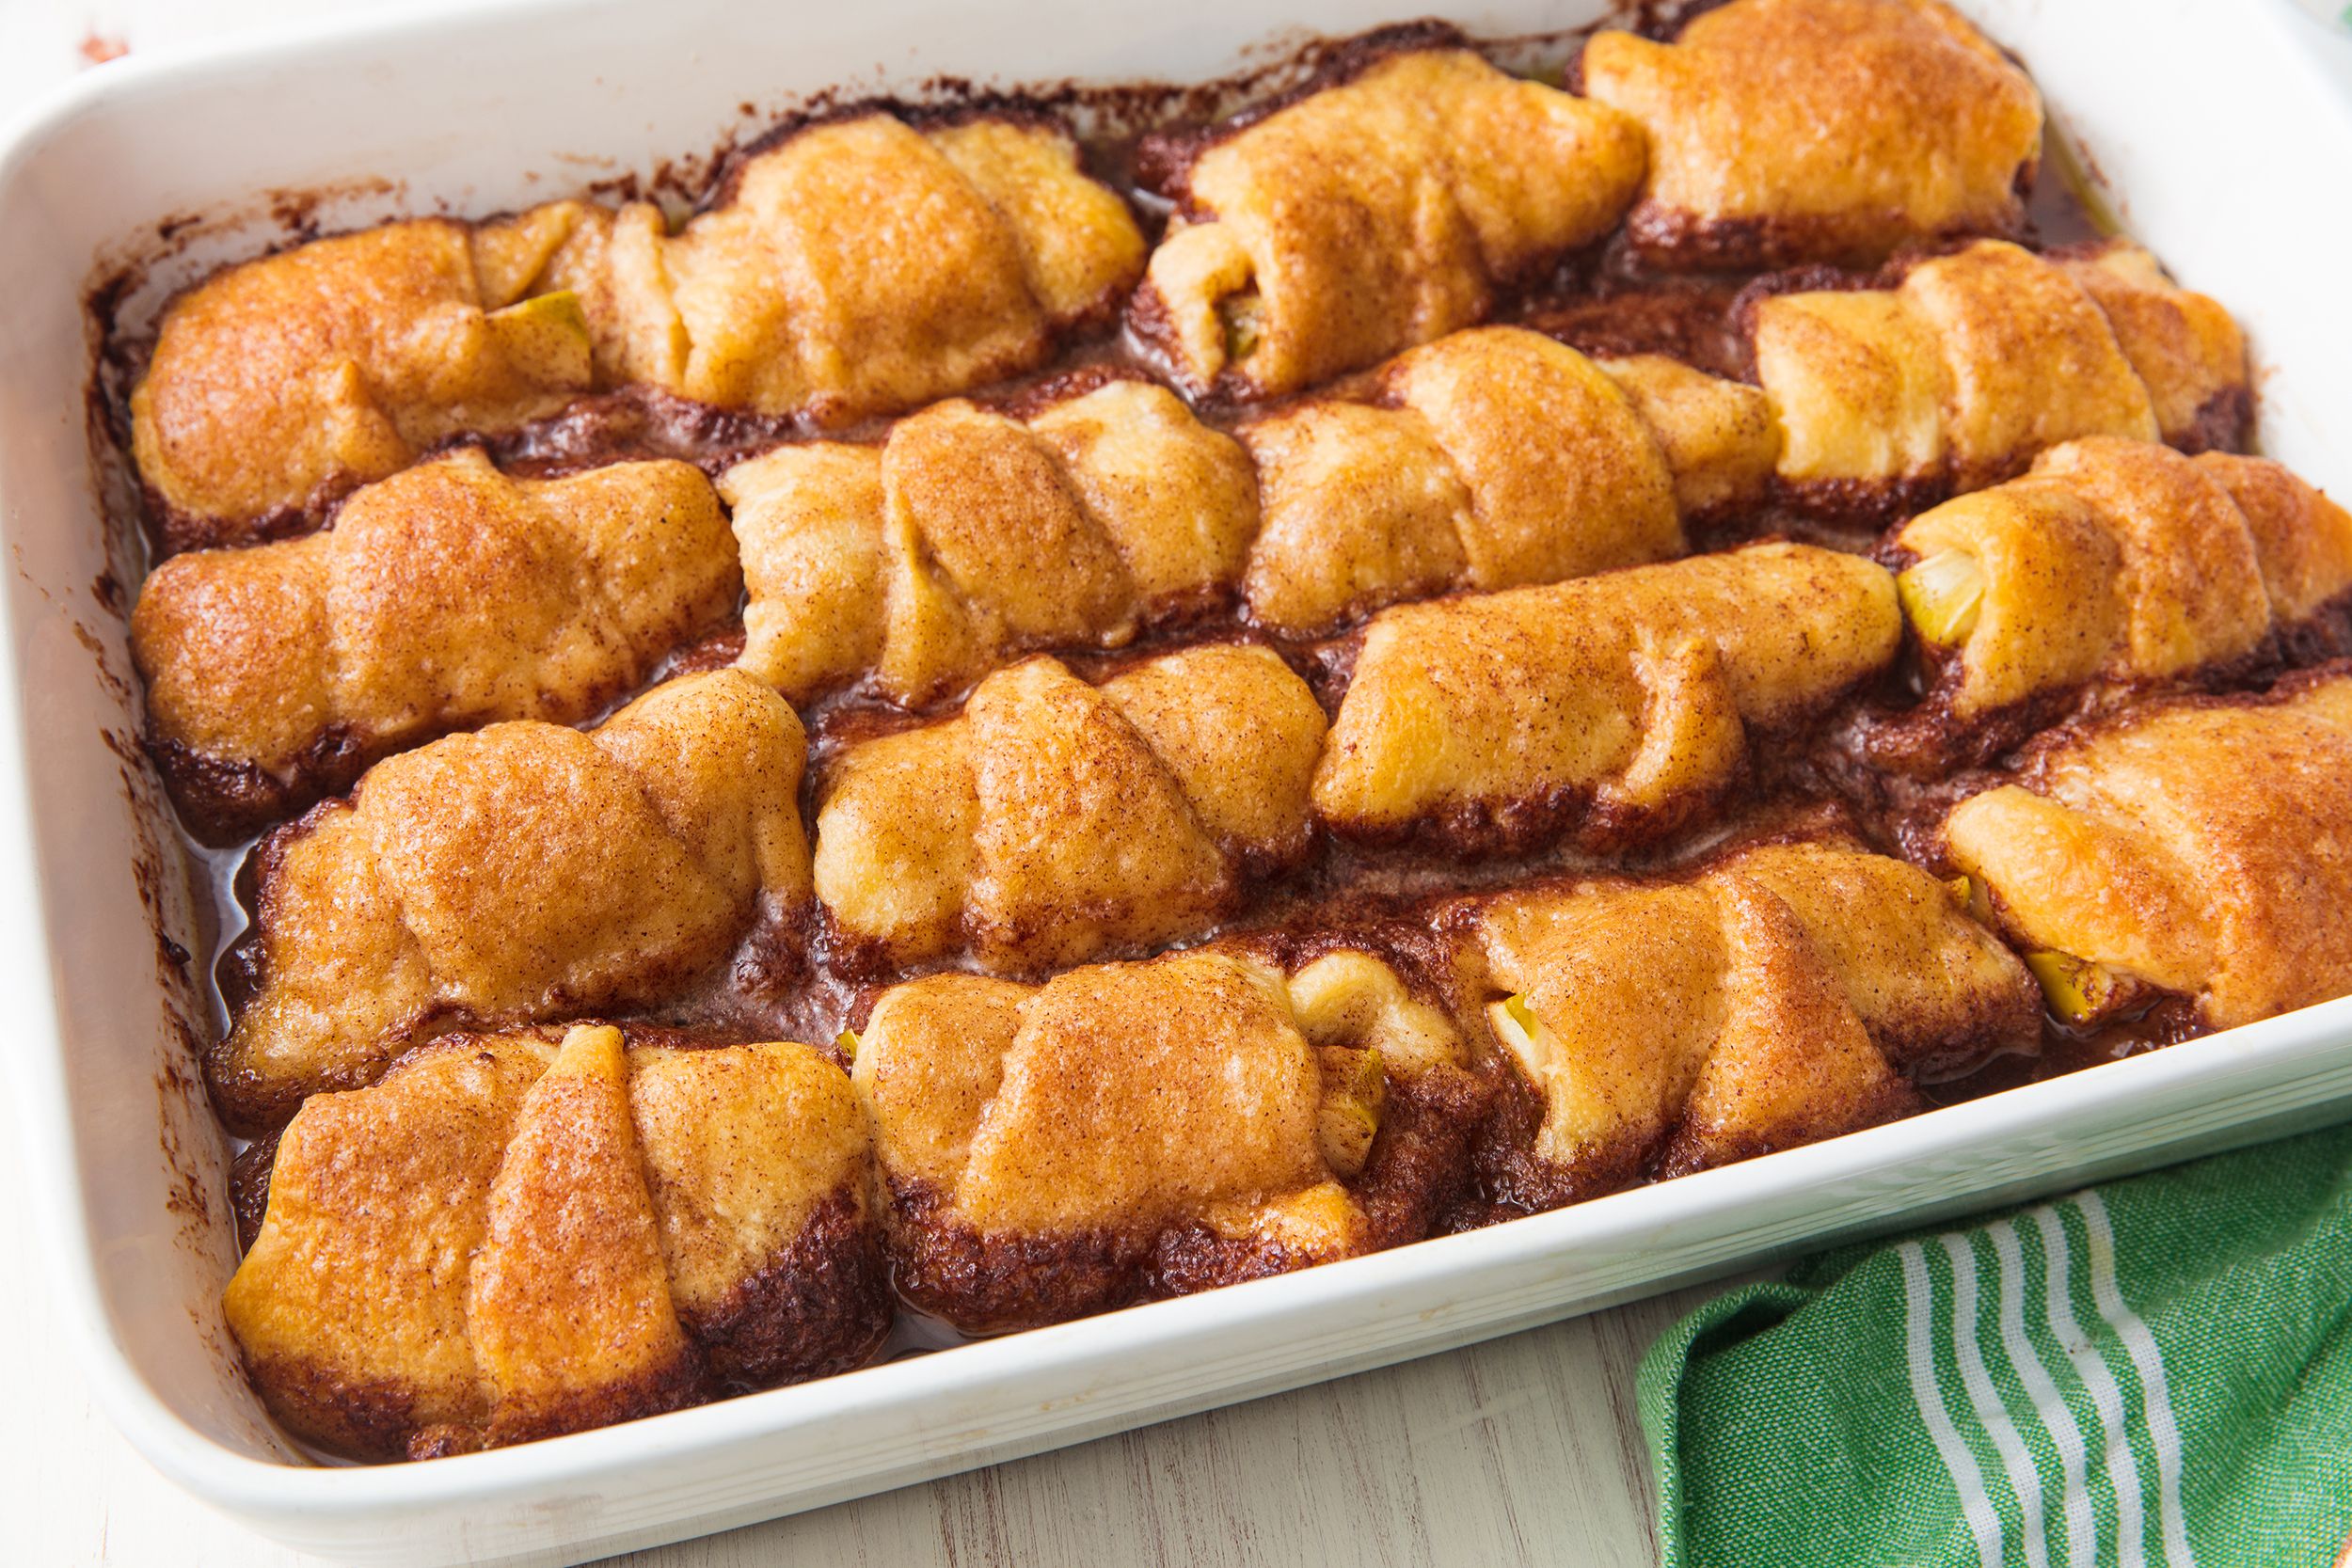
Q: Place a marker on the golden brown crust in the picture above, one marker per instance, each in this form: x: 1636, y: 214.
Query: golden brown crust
x: 1612, y: 708
x: 1440, y: 487
x: 2302, y: 539
x: 1051, y: 822
x: 2185, y: 347
x: 1953, y: 379
x: 1784, y: 994
x: 858, y: 266
x: 2114, y: 564
x: 446, y: 598
x: 1044, y: 1146
x: 1790, y: 131
x: 2196, y: 847
x: 567, y: 1303
x: 279, y: 385
x: 969, y: 537
x: 1719, y: 438
x: 1376, y: 214
x: 517, y: 874
x: 506, y: 1239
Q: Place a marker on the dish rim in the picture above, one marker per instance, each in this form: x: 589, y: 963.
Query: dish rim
x: 257, y: 1488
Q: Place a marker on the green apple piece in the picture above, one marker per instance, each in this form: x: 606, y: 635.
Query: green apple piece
x: 1523, y: 1033
x: 1974, y: 896
x: 1943, y: 595
x: 2076, y: 990
x: 1354, y: 1090
x: 1244, y: 318
x: 545, y: 339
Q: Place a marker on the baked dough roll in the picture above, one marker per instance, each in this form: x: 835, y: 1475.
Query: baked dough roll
x: 1790, y: 131
x: 508, y: 1238
x: 1978, y: 360
x: 277, y: 387
x: 1955, y: 378
x: 860, y: 266
x: 1372, y: 215
x: 2194, y: 849
x: 1051, y: 820
x: 446, y: 598
x: 1489, y: 459
x: 1719, y: 438
x: 1141, y: 1130
x: 1961, y: 372
x: 969, y: 537
x: 2185, y: 347
x: 854, y: 267
x: 2114, y: 564
x: 1785, y: 993
x: 524, y: 872
x: 1608, y: 710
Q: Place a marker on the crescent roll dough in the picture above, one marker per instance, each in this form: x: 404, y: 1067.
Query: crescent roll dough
x: 1609, y: 708
x: 967, y: 537
x: 860, y: 266
x: 856, y: 266
x: 1144, y: 1129
x: 2117, y: 562
x: 1959, y: 376
x: 1373, y: 215
x: 507, y: 1238
x: 2197, y: 846
x: 1432, y: 483
x: 1052, y: 820
x: 446, y: 598
x: 1784, y: 994
x: 1789, y: 130
x: 525, y: 872
x: 279, y: 385
x: 2187, y: 348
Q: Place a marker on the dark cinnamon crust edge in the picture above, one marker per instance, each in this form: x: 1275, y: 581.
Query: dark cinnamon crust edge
x: 2224, y: 422
x: 1674, y: 239
x: 991, y: 1282
x: 175, y: 530
x: 1577, y: 817
x: 1518, y: 1180
x: 820, y: 1306
x: 1926, y: 741
x: 224, y: 803
x: 823, y: 1306
x: 1164, y: 158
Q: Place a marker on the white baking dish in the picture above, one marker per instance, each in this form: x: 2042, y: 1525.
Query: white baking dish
x: 2224, y: 141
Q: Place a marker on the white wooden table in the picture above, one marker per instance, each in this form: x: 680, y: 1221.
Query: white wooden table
x: 1522, y: 1450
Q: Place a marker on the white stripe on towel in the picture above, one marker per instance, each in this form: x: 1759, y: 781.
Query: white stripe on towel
x: 2025, y: 1481
x: 2082, y: 1524
x: 1919, y: 1345
x: 2164, y: 1431
x: 2121, y: 1466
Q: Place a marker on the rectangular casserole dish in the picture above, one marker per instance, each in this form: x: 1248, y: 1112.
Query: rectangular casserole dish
x: 2223, y: 144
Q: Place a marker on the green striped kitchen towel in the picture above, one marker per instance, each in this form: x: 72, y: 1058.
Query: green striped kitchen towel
x: 2154, y: 1371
